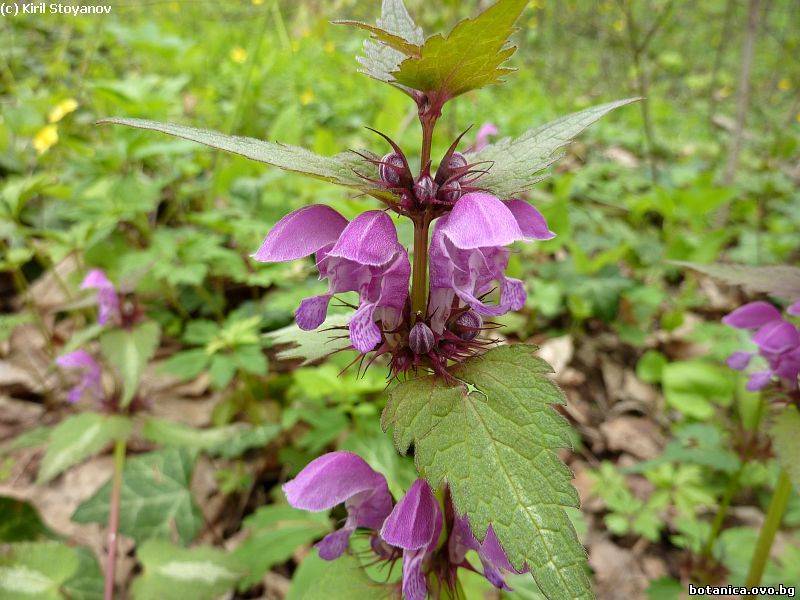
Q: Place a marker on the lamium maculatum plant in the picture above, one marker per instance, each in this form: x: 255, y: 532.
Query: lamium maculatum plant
x: 478, y: 414
x: 772, y: 361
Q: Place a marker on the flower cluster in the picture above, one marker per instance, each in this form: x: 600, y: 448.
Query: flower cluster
x: 439, y: 320
x: 777, y: 339
x: 112, y: 310
x: 411, y: 529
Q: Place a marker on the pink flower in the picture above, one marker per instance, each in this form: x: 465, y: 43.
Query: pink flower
x: 777, y: 339
x: 107, y: 296
x: 90, y: 383
x: 410, y: 529
x: 363, y: 256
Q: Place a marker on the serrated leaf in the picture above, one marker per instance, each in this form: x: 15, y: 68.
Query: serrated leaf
x: 468, y: 58
x: 342, y: 579
x: 275, y: 532
x: 35, y: 570
x: 515, y: 165
x: 380, y: 60
x: 340, y: 169
x: 156, y: 501
x: 494, y: 441
x: 77, y: 438
x: 174, y: 573
x: 780, y: 280
x: 129, y: 350
x: 785, y: 434
x: 228, y: 441
x: 310, y: 346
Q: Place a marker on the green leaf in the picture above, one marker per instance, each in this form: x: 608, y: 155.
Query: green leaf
x: 310, y: 346
x: 341, y: 579
x: 174, y: 573
x: 187, y: 364
x: 380, y: 59
x: 38, y: 436
x: 228, y: 441
x: 340, y: 169
x: 35, y: 570
x: 87, y: 583
x: 156, y: 499
x: 515, y: 164
x: 19, y: 521
x: 468, y: 58
x: 695, y: 386
x: 275, y: 532
x: 494, y: 441
x: 780, y: 280
x: 129, y: 350
x: 785, y: 434
x: 77, y: 438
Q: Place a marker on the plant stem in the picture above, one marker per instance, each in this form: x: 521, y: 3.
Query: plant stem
x: 777, y: 506
x: 113, y: 518
x: 722, y: 511
x: 419, y: 278
x: 428, y: 124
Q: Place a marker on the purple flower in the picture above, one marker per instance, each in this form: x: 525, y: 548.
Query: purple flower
x: 341, y: 477
x: 363, y: 256
x: 482, y: 138
x: 414, y: 525
x: 491, y: 554
x: 411, y: 529
x: 107, y: 297
x: 777, y: 339
x: 468, y: 254
x: 90, y: 382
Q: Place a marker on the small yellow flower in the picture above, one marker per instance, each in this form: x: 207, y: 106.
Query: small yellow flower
x: 329, y: 47
x: 306, y: 97
x: 238, y: 55
x: 784, y: 85
x: 258, y: 2
x: 45, y: 138
x: 62, y: 109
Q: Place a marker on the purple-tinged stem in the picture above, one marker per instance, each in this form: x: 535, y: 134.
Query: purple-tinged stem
x: 419, y: 277
x: 113, y: 519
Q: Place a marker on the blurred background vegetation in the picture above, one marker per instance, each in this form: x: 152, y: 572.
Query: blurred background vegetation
x: 705, y: 169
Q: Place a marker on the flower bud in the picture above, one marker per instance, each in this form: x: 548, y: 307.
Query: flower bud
x: 421, y: 339
x: 450, y: 192
x: 391, y: 169
x: 424, y: 189
x: 468, y: 325
x: 457, y: 161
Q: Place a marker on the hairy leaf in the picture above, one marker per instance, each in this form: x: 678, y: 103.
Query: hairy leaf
x: 156, y: 499
x: 780, y: 280
x: 380, y: 59
x: 311, y: 346
x: 275, y: 532
x: 785, y: 434
x: 129, y: 350
x: 342, y: 169
x: 515, y: 165
x: 468, y: 58
x: 35, y: 570
x: 494, y: 441
x: 77, y: 438
x: 174, y: 573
